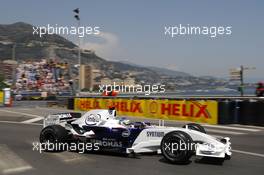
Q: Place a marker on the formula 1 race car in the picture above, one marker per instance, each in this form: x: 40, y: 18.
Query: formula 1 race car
x: 110, y: 133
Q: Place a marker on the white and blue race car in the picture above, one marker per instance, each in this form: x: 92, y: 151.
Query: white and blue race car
x: 110, y: 133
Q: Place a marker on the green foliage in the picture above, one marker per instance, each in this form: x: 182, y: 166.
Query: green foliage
x: 2, y: 78
x: 2, y: 83
x: 85, y: 90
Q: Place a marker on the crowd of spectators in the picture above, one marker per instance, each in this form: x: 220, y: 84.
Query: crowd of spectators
x: 43, y: 76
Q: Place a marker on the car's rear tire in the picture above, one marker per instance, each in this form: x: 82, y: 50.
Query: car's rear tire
x: 53, y: 138
x: 178, y: 156
x: 196, y: 127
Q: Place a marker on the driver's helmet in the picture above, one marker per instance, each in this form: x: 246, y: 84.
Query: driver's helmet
x: 92, y: 119
x: 96, y: 117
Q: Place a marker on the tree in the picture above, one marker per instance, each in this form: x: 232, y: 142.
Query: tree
x: 2, y: 83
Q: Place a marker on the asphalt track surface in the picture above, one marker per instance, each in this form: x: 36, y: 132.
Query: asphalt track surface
x: 20, y: 127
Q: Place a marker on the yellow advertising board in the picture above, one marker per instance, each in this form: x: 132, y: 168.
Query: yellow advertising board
x: 204, y: 111
x: 1, y: 97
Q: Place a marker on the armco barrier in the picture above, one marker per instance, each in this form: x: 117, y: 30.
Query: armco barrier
x: 218, y: 110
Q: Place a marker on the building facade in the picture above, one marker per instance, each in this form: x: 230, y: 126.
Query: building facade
x: 8, y: 69
x: 88, y: 74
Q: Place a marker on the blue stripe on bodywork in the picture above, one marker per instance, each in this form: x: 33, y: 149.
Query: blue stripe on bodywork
x: 116, y: 134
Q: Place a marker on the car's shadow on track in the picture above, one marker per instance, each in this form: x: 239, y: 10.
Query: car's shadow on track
x: 210, y: 161
x: 123, y: 155
x: 163, y: 160
x: 112, y: 154
x: 203, y: 160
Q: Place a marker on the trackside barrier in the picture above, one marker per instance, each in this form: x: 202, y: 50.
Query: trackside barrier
x: 252, y: 112
x: 203, y: 111
x: 70, y: 103
x: 224, y: 110
x: 229, y: 111
x: 261, y: 113
x: 247, y: 112
x: 1, y: 98
x: 7, y: 99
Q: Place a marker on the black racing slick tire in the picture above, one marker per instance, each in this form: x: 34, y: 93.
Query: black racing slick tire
x: 172, y: 147
x: 196, y: 127
x: 53, y: 138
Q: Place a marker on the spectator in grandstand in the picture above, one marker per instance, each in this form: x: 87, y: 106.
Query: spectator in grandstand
x: 46, y: 76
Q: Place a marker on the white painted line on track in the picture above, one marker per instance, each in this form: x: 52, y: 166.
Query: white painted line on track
x: 248, y: 153
x: 15, y: 116
x: 248, y: 126
x: 11, y: 162
x: 24, y: 109
x: 33, y: 120
x: 225, y: 132
x: 57, y: 109
x: 232, y: 128
x: 13, y: 122
x: 17, y: 170
x: 20, y: 113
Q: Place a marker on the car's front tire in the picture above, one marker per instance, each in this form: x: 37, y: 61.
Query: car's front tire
x: 53, y: 137
x: 172, y: 147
